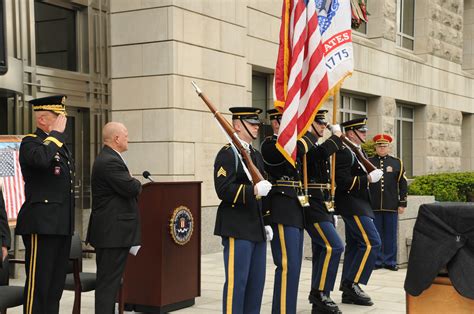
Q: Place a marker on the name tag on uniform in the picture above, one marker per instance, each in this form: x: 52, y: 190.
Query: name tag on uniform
x: 389, y: 169
x: 57, y: 171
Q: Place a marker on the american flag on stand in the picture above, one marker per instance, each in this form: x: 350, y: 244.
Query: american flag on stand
x: 314, y: 56
x: 13, y: 185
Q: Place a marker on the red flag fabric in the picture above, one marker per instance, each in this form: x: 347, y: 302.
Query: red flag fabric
x: 301, y: 82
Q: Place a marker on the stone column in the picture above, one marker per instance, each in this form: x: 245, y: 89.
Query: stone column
x: 438, y: 28
x: 382, y: 19
x: 381, y: 117
x: 441, y: 132
x: 467, y: 143
x: 468, y: 36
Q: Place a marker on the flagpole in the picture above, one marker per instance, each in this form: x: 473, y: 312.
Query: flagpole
x: 305, y: 201
x: 333, y: 161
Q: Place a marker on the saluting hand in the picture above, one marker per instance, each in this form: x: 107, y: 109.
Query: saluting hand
x: 60, y: 124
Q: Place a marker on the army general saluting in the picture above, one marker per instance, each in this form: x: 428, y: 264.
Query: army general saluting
x: 46, y: 219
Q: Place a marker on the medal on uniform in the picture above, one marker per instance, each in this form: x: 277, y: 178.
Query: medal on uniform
x: 57, y: 169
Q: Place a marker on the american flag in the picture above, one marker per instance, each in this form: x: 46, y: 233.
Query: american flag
x: 13, y: 185
x: 311, y: 63
x: 301, y: 81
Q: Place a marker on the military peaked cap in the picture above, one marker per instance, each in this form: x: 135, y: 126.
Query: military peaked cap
x: 359, y: 124
x: 274, y: 114
x: 382, y: 139
x: 248, y: 114
x: 56, y: 104
x: 320, y: 116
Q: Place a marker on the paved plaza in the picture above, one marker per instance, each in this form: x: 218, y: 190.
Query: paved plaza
x: 385, y: 288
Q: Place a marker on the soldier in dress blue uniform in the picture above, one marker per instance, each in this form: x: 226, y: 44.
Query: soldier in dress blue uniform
x: 326, y: 244
x: 353, y: 204
x: 46, y: 219
x: 286, y: 216
x: 389, y: 198
x: 239, y: 218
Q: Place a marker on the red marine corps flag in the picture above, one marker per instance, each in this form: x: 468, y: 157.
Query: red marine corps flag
x: 314, y: 56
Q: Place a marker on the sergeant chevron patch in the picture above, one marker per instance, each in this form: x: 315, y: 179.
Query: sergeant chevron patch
x: 221, y: 172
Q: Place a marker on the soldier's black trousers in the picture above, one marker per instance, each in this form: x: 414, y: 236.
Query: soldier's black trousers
x: 46, y: 267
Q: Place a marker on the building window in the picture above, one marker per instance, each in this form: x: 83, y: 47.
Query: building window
x: 61, y: 32
x: 404, y: 136
x: 15, y: 117
x: 260, y: 99
x: 362, y: 28
x: 406, y: 23
x: 351, y: 107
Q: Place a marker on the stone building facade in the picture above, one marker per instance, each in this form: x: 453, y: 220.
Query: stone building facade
x: 133, y: 61
x: 423, y: 96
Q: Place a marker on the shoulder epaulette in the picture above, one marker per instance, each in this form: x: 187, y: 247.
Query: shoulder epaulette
x: 31, y: 135
x: 226, y: 146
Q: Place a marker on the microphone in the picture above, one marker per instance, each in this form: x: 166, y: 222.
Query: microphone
x: 146, y: 175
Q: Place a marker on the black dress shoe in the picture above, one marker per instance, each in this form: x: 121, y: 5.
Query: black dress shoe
x: 353, y: 294
x: 391, y: 267
x: 322, y: 303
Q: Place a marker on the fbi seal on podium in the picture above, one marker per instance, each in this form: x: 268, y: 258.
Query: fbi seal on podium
x: 181, y: 225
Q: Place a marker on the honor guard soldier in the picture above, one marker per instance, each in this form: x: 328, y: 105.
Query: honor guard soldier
x: 46, y: 219
x: 239, y: 219
x: 353, y: 204
x: 285, y: 202
x: 389, y: 198
x: 327, y: 246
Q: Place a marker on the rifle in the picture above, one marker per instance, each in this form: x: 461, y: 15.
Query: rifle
x: 369, y: 167
x: 367, y: 164
x: 229, y: 130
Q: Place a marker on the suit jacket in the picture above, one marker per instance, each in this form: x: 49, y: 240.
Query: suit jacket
x: 391, y: 191
x: 114, y: 220
x: 443, y: 236
x: 5, y: 237
x: 48, y: 172
x: 282, y: 201
x: 239, y: 214
x: 352, y: 191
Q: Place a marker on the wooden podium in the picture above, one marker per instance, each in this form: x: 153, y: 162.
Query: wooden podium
x: 165, y: 275
x: 440, y: 298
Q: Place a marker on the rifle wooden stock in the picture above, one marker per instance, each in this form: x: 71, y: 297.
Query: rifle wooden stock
x: 367, y: 164
x: 254, y: 172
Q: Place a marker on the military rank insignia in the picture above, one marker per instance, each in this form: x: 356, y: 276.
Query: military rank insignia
x: 181, y: 225
x: 221, y: 172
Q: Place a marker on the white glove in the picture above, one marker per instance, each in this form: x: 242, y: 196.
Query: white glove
x: 335, y: 128
x: 375, y: 175
x: 335, y: 219
x: 268, y: 233
x: 263, y: 187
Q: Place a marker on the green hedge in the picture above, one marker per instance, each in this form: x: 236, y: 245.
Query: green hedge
x: 369, y: 148
x: 455, y: 187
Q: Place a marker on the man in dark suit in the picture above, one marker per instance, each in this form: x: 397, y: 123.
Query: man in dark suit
x: 5, y: 238
x: 114, y: 223
x: 353, y: 204
x: 389, y: 198
x: 239, y: 219
x: 46, y: 219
